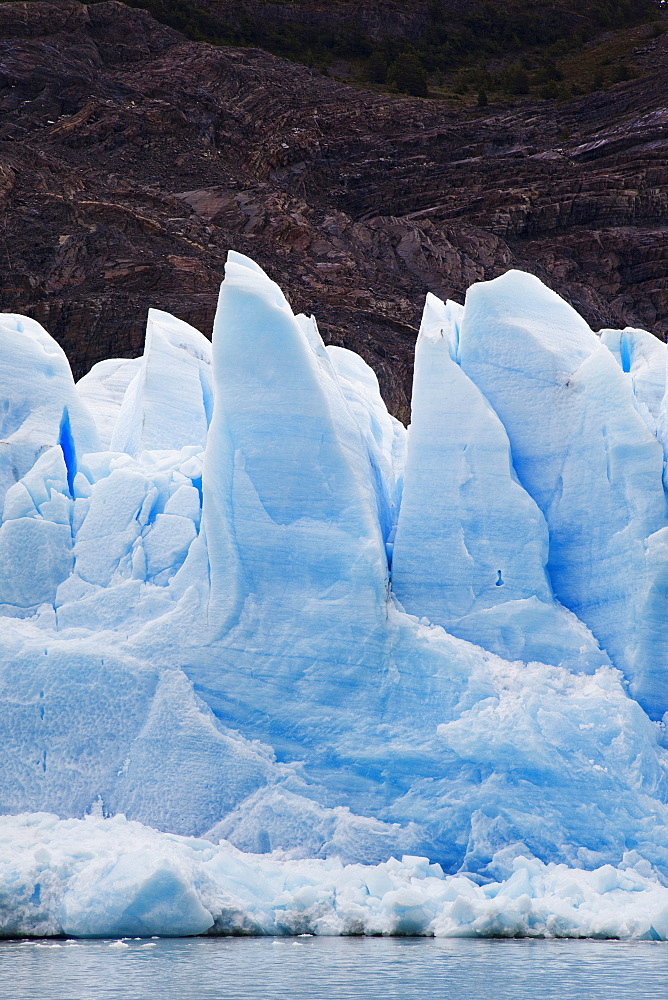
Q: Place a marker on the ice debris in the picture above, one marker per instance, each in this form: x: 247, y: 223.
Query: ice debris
x: 114, y: 878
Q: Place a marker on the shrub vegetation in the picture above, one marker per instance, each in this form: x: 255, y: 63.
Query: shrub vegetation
x: 459, y: 50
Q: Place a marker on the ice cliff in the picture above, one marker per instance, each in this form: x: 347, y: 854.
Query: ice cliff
x: 239, y: 602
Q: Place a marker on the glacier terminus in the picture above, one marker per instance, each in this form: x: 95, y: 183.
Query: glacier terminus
x: 270, y: 663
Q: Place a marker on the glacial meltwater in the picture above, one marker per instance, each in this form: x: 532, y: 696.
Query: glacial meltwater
x: 351, y: 968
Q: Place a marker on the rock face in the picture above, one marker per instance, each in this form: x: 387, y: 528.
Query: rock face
x: 132, y: 159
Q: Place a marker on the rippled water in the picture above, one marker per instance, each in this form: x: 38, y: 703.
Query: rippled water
x: 332, y: 969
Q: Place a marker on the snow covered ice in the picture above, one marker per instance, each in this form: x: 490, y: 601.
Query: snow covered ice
x: 257, y: 639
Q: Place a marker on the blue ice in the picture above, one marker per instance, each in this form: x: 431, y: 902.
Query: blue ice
x: 238, y: 600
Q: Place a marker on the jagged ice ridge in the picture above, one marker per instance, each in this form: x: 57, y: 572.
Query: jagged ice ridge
x: 243, y: 608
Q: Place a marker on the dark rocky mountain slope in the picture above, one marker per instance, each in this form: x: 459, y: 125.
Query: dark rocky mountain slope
x: 131, y: 159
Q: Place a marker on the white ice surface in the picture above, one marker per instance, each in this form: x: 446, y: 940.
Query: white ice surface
x: 103, y: 389
x: 471, y: 545
x: 168, y: 403
x: 383, y: 435
x: 584, y: 453
x: 113, y: 878
x: 39, y: 404
x: 644, y: 358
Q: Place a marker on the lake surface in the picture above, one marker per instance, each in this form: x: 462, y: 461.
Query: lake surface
x: 332, y: 969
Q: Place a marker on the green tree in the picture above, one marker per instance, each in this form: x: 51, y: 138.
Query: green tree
x: 516, y: 80
x: 549, y: 91
x: 376, y: 67
x: 408, y: 75
x: 549, y: 73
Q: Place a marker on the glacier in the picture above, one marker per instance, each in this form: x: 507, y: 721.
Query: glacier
x: 271, y: 663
